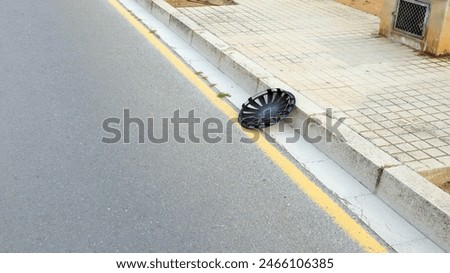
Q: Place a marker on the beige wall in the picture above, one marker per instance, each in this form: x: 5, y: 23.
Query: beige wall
x: 387, y: 20
x: 444, y: 45
x: 437, y: 35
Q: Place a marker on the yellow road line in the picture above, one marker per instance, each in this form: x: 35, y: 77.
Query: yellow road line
x: 349, y: 225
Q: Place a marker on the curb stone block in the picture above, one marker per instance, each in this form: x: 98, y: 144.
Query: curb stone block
x: 242, y: 70
x: 183, y: 27
x: 420, y: 202
x: 161, y: 10
x: 209, y: 46
x: 355, y: 154
x: 145, y: 4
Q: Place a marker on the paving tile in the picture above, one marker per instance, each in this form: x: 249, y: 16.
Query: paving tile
x: 399, y: 131
x: 426, y: 136
x: 445, y: 149
x: 373, y: 126
x: 417, y: 165
x: 434, y: 152
x: 380, y: 142
x: 418, y: 155
x: 395, y: 140
x: 404, y: 157
x: 436, y: 142
x: 445, y: 160
x: 432, y: 163
x: 406, y: 147
x: 429, y: 118
x: 421, y: 145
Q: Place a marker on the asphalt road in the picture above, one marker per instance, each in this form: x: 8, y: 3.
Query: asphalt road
x: 65, y: 67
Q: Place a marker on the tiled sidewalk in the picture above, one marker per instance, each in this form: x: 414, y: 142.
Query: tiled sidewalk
x: 394, y: 97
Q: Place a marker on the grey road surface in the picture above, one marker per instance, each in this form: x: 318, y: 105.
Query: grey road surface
x: 66, y: 66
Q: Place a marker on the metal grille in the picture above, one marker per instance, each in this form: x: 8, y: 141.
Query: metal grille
x: 411, y: 17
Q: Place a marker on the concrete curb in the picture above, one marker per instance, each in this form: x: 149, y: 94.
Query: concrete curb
x: 408, y: 193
